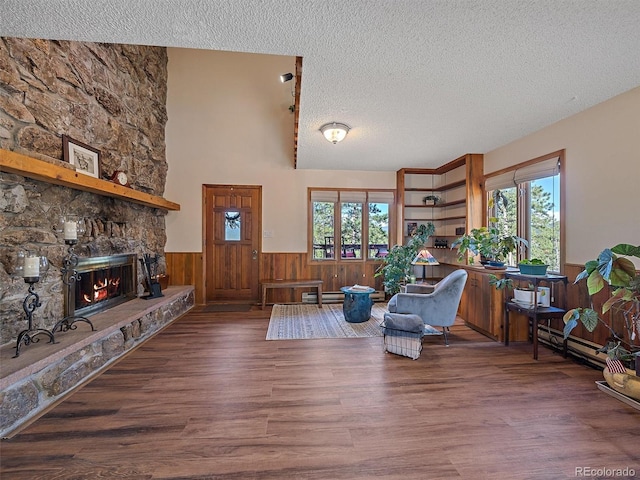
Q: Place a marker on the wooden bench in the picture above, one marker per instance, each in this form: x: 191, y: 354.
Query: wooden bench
x: 282, y: 283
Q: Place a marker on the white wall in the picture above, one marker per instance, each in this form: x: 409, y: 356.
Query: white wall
x: 229, y: 123
x: 602, y: 173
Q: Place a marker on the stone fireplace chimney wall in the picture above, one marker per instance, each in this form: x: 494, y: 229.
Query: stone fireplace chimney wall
x: 109, y: 96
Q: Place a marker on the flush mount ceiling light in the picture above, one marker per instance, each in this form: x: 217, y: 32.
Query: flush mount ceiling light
x: 334, y: 132
x: 285, y: 77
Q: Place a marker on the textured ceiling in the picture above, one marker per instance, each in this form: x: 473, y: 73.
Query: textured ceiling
x: 420, y: 82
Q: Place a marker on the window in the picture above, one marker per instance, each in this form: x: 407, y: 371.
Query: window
x: 525, y: 201
x: 232, y: 223
x: 362, y: 219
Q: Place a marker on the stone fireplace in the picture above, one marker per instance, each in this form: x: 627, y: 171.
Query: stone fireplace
x: 113, y: 98
x: 104, y: 282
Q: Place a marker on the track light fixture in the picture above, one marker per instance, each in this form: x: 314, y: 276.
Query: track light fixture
x: 285, y: 77
x: 334, y: 132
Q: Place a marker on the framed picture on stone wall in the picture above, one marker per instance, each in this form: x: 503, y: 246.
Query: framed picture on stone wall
x: 86, y: 159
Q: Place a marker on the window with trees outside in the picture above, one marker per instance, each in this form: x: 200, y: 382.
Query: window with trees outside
x: 350, y: 225
x: 525, y: 201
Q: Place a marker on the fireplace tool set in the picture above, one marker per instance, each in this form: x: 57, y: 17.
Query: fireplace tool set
x: 150, y: 269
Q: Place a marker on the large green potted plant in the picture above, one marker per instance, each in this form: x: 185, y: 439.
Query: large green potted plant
x: 488, y: 243
x: 613, y: 269
x: 396, y: 267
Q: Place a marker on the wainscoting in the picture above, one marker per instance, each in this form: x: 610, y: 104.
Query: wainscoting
x: 578, y: 296
x: 186, y: 268
x: 582, y: 343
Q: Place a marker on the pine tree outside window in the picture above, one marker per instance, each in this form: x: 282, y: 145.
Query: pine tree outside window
x: 525, y: 201
x: 362, y: 218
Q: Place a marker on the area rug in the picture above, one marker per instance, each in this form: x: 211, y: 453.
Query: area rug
x: 299, y: 321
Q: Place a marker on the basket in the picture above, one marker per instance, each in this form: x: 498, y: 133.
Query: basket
x: 402, y: 334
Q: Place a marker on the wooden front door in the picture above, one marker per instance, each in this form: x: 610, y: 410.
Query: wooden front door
x: 233, y: 222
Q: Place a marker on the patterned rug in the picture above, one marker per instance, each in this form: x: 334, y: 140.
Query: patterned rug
x: 299, y: 321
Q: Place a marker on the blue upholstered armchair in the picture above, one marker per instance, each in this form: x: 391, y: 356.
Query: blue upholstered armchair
x: 437, y: 305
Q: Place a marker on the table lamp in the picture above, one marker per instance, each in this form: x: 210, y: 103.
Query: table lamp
x: 424, y: 258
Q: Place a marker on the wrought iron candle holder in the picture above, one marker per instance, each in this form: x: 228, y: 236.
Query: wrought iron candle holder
x: 69, y: 277
x: 31, y: 269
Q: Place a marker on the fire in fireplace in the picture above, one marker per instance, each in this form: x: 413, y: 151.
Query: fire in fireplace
x: 104, y: 282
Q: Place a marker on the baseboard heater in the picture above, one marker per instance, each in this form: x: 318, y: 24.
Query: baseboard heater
x: 336, y: 297
x: 579, y: 348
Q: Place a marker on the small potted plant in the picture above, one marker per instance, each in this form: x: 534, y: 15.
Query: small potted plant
x: 523, y: 295
x: 534, y: 266
x: 613, y: 269
x: 431, y: 200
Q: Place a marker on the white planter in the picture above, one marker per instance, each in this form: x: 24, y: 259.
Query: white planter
x: 526, y: 297
x: 544, y: 296
x: 523, y: 297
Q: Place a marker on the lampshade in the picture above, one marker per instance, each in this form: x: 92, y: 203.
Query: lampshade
x: 285, y: 77
x: 334, y: 132
x: 424, y: 257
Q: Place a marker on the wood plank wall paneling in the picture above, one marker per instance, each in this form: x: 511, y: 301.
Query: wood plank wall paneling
x: 578, y: 296
x: 333, y: 275
x: 186, y: 268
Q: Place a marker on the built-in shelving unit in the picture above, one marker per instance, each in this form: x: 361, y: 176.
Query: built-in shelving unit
x: 26, y: 166
x: 458, y: 185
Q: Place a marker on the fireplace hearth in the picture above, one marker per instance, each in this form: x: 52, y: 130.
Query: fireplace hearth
x: 103, y: 283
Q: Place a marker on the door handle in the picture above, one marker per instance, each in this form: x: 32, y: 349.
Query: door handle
x: 255, y: 254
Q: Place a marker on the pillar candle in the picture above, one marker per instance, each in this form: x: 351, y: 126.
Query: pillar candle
x: 31, y: 267
x: 70, y: 230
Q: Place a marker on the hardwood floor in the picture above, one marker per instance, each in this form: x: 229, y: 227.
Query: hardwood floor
x: 210, y: 398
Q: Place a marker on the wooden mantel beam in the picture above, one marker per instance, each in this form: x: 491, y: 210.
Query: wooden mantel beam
x: 24, y: 165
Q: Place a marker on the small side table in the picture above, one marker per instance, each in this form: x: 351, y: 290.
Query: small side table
x: 535, y: 312
x: 357, y: 304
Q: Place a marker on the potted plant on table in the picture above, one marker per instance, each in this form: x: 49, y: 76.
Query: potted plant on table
x: 396, y: 267
x: 533, y: 266
x: 613, y: 269
x: 524, y: 295
x: 489, y: 244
